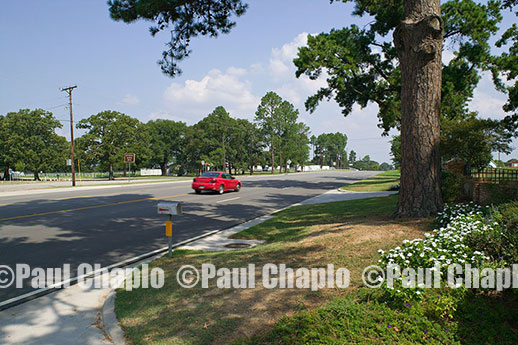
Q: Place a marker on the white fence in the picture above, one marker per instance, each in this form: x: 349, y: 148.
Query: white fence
x: 316, y: 167
x: 150, y: 172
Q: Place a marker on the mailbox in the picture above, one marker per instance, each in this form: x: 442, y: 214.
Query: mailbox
x: 169, y: 208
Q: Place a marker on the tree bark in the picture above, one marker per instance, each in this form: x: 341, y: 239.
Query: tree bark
x: 110, y: 172
x: 273, y: 158
x: 280, y: 160
x: 223, y: 146
x: 163, y: 167
x: 418, y: 40
x: 36, y: 176
x: 7, y: 175
x: 250, y: 159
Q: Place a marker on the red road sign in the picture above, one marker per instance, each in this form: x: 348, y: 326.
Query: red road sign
x: 129, y: 158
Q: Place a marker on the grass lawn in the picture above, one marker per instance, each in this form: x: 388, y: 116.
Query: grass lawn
x: 379, y: 183
x: 346, y: 234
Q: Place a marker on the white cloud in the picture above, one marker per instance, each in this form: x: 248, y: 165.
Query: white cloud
x: 486, y: 100
x: 447, y: 56
x: 281, y: 60
x: 199, y: 97
x: 130, y: 100
x: 163, y: 114
x: 239, y: 90
x: 256, y: 68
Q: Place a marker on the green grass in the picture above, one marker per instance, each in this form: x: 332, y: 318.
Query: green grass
x: 367, y: 318
x: 379, y: 183
x: 346, y: 234
x: 295, y: 222
x: 304, y: 236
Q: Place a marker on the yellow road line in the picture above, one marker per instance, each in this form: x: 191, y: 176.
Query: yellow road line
x: 78, y: 197
x: 89, y: 207
x: 94, y: 196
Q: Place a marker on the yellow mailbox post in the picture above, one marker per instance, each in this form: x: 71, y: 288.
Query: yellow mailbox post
x: 171, y: 209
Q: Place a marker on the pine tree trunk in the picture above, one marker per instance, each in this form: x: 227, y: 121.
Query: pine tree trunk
x: 163, y: 167
x: 250, y: 159
x: 273, y: 158
x: 110, y: 173
x: 418, y: 40
x: 223, y: 146
x: 7, y: 176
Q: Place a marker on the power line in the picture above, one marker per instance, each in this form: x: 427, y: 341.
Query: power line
x: 55, y: 106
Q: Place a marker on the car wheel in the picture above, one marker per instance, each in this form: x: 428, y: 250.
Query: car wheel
x: 197, y: 191
x: 221, y: 189
x: 238, y: 187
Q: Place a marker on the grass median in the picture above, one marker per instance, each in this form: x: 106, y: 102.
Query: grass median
x: 378, y: 183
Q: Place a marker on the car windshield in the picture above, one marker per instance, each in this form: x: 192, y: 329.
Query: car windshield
x: 210, y: 174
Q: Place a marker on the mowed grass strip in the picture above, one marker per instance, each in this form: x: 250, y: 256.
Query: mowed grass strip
x: 346, y: 234
x: 379, y: 183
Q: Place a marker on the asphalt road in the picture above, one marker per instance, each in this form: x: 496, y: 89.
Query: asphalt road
x: 108, y: 225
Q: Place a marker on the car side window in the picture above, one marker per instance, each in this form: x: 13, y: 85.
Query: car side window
x: 226, y: 176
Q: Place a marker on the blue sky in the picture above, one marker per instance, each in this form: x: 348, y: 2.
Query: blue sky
x: 46, y: 45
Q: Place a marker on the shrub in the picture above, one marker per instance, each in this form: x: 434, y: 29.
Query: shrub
x: 444, y: 246
x: 500, y: 242
x: 498, y: 193
x: 509, y: 215
x: 452, y: 187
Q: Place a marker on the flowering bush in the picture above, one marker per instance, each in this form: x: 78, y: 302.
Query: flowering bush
x: 501, y: 245
x: 444, y: 246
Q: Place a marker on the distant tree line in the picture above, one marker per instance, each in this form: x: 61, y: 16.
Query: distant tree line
x: 29, y: 142
x: 275, y: 138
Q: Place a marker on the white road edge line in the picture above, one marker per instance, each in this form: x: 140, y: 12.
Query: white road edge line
x: 103, y: 269
x: 131, y: 260
x: 217, y: 202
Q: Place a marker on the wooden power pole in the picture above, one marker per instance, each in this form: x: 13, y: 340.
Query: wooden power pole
x: 69, y: 91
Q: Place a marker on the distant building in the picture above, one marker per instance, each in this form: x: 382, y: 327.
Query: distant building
x: 512, y: 164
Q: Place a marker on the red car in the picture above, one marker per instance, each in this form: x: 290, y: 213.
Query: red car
x: 215, y: 181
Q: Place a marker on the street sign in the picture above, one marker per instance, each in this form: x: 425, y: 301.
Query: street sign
x: 129, y: 158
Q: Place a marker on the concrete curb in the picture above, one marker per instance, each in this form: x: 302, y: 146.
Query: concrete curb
x: 109, y: 319
x: 110, y: 322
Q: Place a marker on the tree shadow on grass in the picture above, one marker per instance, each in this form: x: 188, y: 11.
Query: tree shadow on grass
x: 212, y: 315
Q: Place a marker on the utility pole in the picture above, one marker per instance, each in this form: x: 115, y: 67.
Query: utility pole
x: 69, y: 91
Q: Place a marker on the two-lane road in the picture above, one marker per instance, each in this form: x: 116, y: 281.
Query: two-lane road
x: 106, y: 225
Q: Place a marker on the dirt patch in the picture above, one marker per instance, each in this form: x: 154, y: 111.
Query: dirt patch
x: 351, y: 245
x: 219, y: 316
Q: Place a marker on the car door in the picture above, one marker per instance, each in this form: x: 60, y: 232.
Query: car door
x: 226, y: 181
x: 231, y: 182
x: 234, y: 182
